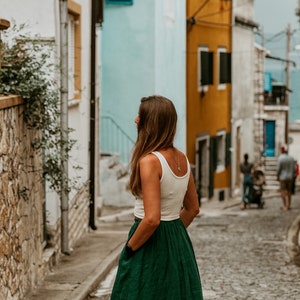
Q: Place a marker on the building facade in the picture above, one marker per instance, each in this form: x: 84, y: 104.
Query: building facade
x: 243, y: 88
x: 209, y: 95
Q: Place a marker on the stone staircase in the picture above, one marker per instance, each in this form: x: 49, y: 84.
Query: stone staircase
x: 114, y: 177
x: 270, y: 167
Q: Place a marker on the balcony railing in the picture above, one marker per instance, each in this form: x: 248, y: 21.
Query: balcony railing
x: 277, y: 96
x: 275, y: 100
x: 114, y: 140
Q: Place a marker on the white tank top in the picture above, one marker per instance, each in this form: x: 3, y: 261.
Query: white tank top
x: 173, y: 189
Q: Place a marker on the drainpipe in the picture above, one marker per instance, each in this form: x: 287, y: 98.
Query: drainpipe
x: 93, y: 115
x: 64, y: 195
x: 287, y: 80
x: 232, y: 136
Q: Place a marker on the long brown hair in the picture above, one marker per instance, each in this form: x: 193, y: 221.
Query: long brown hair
x: 156, y: 130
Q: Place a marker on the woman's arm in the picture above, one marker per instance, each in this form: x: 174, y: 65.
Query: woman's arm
x: 150, y: 172
x: 190, y: 204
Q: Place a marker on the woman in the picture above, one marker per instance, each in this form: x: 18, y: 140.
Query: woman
x: 158, y: 261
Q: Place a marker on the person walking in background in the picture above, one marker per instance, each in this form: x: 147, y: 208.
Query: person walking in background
x: 246, y: 169
x: 158, y: 260
x: 285, y: 176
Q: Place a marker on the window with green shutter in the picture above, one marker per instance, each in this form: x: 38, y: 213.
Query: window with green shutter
x: 205, y: 68
x: 225, y: 67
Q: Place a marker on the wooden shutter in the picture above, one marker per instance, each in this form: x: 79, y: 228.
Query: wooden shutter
x: 206, y: 68
x: 225, y: 67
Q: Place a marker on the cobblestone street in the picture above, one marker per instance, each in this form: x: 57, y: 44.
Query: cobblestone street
x: 243, y: 255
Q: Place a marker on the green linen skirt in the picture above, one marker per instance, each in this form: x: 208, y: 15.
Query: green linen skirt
x: 164, y: 268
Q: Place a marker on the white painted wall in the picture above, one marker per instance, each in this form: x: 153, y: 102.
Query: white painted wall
x: 39, y: 15
x: 242, y: 108
x: 294, y: 136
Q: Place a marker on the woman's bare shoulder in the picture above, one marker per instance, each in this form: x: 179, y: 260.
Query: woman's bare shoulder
x: 149, y: 159
x: 150, y: 166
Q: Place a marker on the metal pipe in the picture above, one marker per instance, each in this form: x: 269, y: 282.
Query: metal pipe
x: 287, y: 79
x: 92, y: 116
x: 64, y: 194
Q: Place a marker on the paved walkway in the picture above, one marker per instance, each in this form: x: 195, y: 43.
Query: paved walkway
x: 79, y: 274
x: 244, y: 254
x: 75, y: 276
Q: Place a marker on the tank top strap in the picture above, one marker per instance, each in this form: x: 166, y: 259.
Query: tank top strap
x: 161, y: 158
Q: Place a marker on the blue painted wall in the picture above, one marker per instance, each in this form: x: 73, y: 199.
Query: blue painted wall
x: 142, y: 53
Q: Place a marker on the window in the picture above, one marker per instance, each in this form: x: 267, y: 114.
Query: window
x: 74, y: 50
x: 221, y: 150
x: 205, y: 68
x: 224, y: 67
x: 120, y: 2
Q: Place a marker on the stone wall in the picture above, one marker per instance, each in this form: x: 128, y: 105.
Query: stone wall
x: 21, y: 203
x: 27, y: 251
x: 259, y: 116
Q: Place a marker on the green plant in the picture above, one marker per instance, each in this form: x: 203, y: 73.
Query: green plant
x: 29, y: 69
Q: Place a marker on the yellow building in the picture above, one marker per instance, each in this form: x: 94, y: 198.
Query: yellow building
x: 209, y: 94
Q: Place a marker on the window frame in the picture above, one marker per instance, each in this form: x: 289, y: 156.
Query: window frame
x: 204, y: 88
x: 221, y: 64
x: 74, y: 11
x: 221, y: 86
x: 71, y: 57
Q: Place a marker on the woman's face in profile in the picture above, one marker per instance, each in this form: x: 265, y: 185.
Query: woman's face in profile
x: 137, y: 120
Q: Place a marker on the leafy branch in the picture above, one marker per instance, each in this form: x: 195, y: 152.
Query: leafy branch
x: 29, y: 69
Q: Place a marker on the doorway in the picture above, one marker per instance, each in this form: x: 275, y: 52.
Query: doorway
x: 237, y: 158
x: 202, y: 167
x: 269, y: 133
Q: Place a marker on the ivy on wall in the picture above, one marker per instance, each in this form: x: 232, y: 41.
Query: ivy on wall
x: 28, y: 69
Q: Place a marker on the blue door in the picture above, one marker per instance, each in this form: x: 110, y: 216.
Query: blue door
x: 269, y: 138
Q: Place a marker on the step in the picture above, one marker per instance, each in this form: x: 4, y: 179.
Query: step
x: 271, y: 178
x: 270, y: 168
x: 270, y: 159
x: 271, y: 188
